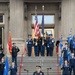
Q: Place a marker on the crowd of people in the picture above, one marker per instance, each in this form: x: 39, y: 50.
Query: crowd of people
x: 13, y: 66
x: 40, y: 44
x: 67, y: 57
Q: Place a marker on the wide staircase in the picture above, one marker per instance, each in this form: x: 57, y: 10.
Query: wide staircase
x: 48, y: 65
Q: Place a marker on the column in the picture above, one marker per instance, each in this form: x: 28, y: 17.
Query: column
x: 67, y: 17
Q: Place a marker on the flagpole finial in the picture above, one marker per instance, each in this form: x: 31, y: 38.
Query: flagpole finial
x: 43, y: 7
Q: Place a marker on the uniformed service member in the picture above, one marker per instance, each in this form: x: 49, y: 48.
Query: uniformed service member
x: 65, y: 68
x: 38, y: 71
x: 29, y: 43
x: 36, y: 48
x: 13, y: 69
x: 65, y: 54
x: 51, y: 45
x: 72, y: 64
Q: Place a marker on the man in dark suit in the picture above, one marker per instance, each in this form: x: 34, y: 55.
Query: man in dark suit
x: 38, y: 71
x: 15, y: 50
x: 72, y: 64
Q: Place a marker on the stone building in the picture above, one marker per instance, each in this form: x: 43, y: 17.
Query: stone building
x: 17, y: 16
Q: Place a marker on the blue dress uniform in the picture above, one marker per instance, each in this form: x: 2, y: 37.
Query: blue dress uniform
x: 51, y: 46
x: 47, y: 46
x: 36, y: 50
x: 43, y: 43
x: 65, y: 53
x: 65, y: 69
x: 29, y: 46
x: 13, y: 70
x: 72, y: 65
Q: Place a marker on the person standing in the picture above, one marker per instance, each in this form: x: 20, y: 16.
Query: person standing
x: 51, y: 45
x: 38, y: 71
x: 15, y: 50
x: 29, y: 43
x: 13, y: 69
x: 65, y: 68
x: 36, y: 48
x: 72, y: 64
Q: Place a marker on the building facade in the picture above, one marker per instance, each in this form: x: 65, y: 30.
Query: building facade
x: 17, y: 17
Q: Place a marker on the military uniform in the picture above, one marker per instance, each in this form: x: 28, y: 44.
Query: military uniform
x: 51, y: 46
x: 13, y: 70
x: 72, y: 65
x: 29, y: 43
x: 43, y: 43
x: 36, y: 48
x: 65, y: 53
x: 65, y: 69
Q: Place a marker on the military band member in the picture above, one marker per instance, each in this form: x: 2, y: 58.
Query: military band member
x: 29, y: 43
x: 43, y: 43
x: 36, y: 50
x: 38, y: 71
x: 65, y: 68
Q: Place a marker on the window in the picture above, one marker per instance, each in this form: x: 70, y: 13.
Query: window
x: 1, y: 19
x: 48, y: 19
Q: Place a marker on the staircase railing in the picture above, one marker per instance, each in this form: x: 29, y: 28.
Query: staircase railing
x: 21, y: 61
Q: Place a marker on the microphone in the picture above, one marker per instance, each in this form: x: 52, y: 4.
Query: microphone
x: 49, y: 68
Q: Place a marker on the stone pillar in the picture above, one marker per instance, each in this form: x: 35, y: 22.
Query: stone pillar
x: 17, y: 22
x: 67, y: 17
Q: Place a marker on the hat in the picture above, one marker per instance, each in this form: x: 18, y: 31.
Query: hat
x: 14, y: 43
x: 38, y: 66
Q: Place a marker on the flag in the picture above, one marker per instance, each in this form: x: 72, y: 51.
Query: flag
x: 10, y: 42
x: 6, y: 67
x: 43, y: 24
x: 61, y: 44
x: 36, y: 26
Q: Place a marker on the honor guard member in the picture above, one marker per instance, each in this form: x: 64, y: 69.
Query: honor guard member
x: 43, y: 43
x: 72, y: 64
x: 36, y: 46
x: 29, y: 43
x: 39, y: 45
x: 47, y: 44
x: 51, y: 45
x: 15, y: 50
x: 13, y: 69
x: 38, y: 71
x: 65, y: 68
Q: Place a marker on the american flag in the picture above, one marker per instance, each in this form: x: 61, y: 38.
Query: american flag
x: 36, y: 26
